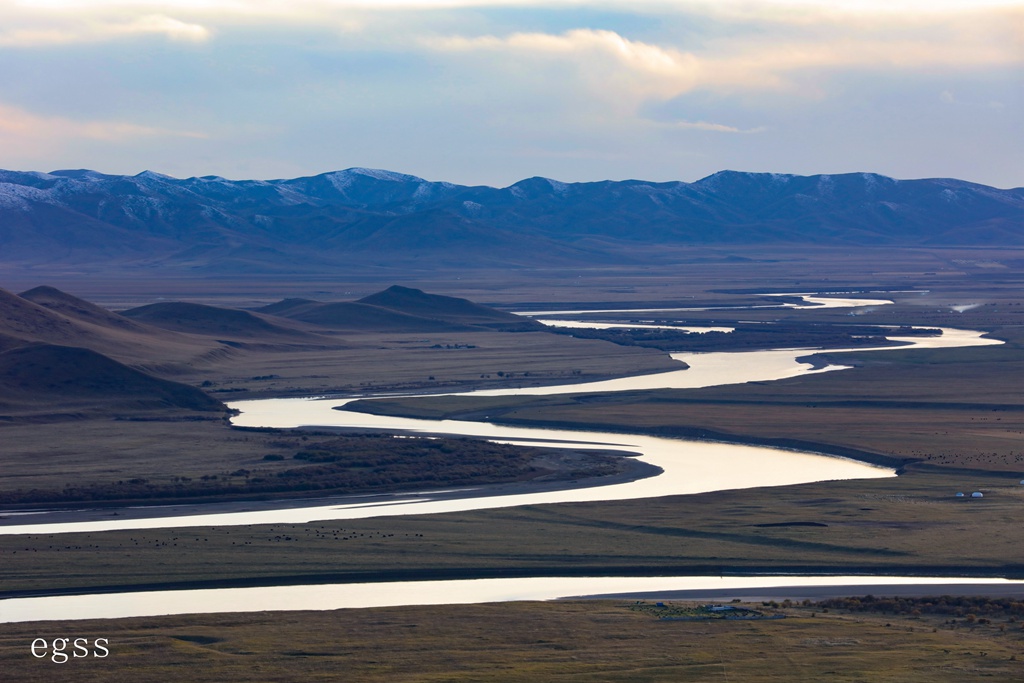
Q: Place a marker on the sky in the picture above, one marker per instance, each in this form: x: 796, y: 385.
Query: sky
x: 488, y: 92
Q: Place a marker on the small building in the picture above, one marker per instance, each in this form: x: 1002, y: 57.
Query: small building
x: 977, y: 494
x: 959, y: 494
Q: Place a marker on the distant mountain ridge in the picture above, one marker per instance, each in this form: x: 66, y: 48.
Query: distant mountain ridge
x: 358, y: 215
x: 401, y: 309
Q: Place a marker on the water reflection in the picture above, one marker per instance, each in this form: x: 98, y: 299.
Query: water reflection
x: 407, y: 593
x: 688, y: 466
x: 588, y: 325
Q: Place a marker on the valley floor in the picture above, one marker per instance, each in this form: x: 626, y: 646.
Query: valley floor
x: 954, y: 416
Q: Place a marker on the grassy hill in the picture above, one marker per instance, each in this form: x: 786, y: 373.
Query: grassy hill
x: 348, y: 316
x: 49, y: 316
x: 181, y: 316
x: 43, y: 378
x: 447, y: 308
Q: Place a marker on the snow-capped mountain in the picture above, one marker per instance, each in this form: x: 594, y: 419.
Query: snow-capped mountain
x: 359, y: 215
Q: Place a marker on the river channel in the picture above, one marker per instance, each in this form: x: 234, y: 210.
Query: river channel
x: 687, y: 467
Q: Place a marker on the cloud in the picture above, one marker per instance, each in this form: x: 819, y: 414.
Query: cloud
x: 428, y: 85
x: 610, y: 67
x: 708, y: 126
x: 610, y: 61
x: 21, y: 130
x: 95, y: 31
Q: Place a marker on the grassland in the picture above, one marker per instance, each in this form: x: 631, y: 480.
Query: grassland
x: 724, y: 274
x: 907, y: 525
x: 954, y: 417
x: 558, y: 641
x: 297, y: 464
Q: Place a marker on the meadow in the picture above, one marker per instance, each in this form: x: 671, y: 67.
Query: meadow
x: 612, y: 640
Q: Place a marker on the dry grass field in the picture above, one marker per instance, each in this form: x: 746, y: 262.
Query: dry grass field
x: 555, y: 641
x: 699, y: 272
x: 908, y: 525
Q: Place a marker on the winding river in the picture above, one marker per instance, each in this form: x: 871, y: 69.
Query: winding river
x: 687, y: 467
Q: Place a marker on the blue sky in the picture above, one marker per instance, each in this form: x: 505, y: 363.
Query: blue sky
x: 490, y: 92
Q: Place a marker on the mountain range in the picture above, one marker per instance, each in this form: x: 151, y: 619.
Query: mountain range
x: 367, y: 217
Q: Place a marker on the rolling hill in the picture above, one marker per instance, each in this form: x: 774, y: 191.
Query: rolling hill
x: 61, y: 353
x: 213, y: 321
x: 447, y: 308
x: 401, y: 309
x: 45, y: 315
x: 350, y: 316
x: 49, y: 378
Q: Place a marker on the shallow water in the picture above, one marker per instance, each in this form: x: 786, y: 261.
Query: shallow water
x: 587, y: 325
x: 405, y: 593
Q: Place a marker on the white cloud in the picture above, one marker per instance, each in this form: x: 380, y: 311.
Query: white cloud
x: 65, y: 31
x: 622, y: 83
x: 608, y: 60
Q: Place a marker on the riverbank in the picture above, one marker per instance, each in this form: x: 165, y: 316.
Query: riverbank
x: 889, y: 526
x: 628, y: 470
x: 798, y: 592
x: 805, y: 580
x: 530, y: 641
x: 412, y: 409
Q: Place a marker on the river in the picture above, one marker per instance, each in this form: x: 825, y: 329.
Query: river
x: 688, y: 467
x: 405, y: 593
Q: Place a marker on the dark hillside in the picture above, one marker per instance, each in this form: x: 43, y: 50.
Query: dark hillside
x: 71, y: 306
x: 447, y: 308
x: 286, y: 306
x: 56, y: 378
x: 209, y: 320
x: 361, y: 317
x: 64, y: 320
x: 28, y: 321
